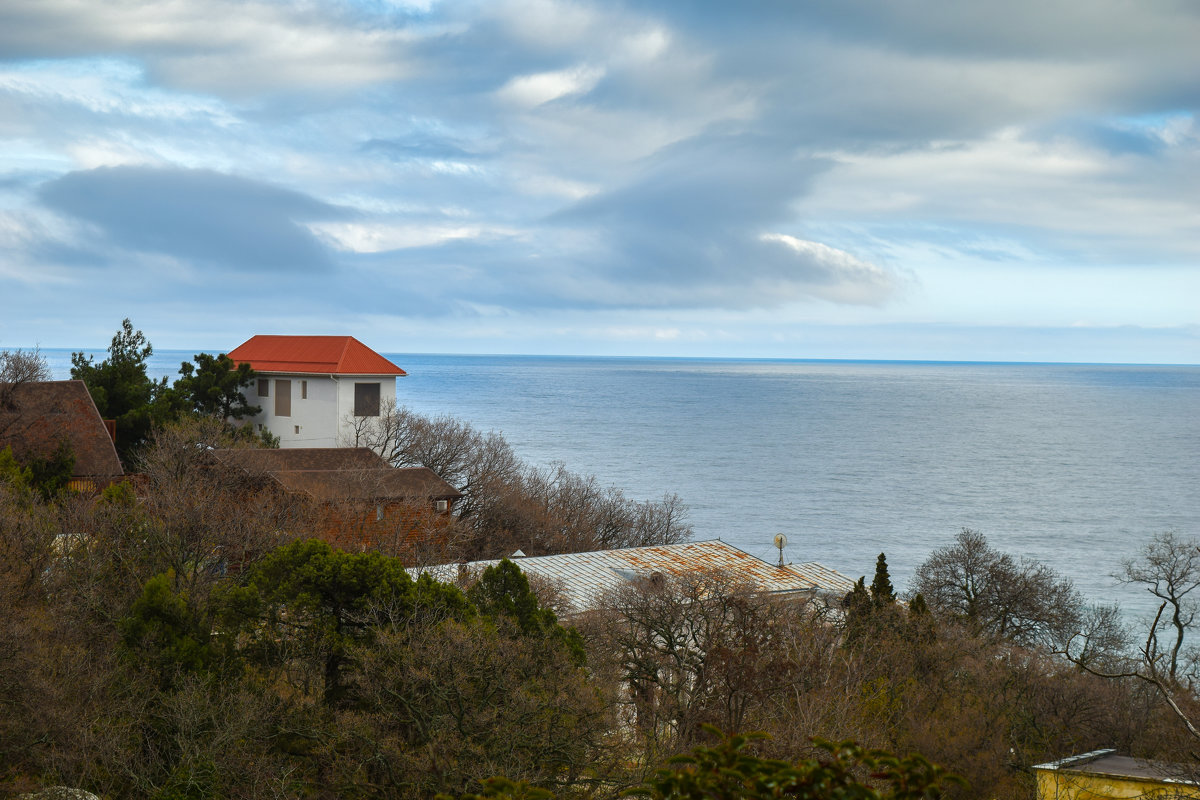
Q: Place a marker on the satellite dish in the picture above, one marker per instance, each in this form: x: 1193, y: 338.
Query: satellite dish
x: 780, y: 542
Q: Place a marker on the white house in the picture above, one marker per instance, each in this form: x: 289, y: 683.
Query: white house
x: 309, y: 387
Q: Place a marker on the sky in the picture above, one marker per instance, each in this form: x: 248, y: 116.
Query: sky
x: 892, y: 179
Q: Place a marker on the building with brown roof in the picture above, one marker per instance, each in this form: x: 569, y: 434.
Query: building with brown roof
x: 42, y: 415
x: 362, y: 502
x: 312, y: 388
x: 1104, y: 775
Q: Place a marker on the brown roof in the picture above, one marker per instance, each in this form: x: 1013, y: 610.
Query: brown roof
x: 46, y: 412
x: 312, y: 355
x: 413, y: 483
x: 300, y: 458
x: 1108, y: 763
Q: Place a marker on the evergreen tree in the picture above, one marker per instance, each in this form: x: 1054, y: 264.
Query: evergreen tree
x: 213, y: 386
x: 503, y: 592
x: 307, y: 598
x: 882, y: 593
x: 164, y: 634
x: 121, y: 388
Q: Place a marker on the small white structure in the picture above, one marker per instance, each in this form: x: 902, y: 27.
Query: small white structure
x: 311, y: 387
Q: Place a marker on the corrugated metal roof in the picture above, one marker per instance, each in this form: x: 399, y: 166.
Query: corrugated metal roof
x: 584, y: 577
x: 312, y: 355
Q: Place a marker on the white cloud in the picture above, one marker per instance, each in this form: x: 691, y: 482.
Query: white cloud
x: 385, y: 236
x: 529, y: 91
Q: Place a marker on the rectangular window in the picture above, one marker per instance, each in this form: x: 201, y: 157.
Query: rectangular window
x: 264, y: 387
x: 283, y: 398
x: 366, y: 399
x: 303, y: 390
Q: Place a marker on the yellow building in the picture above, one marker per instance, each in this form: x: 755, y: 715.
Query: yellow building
x: 1103, y: 775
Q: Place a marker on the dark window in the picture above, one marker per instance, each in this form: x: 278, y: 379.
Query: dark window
x: 366, y: 399
x: 303, y: 390
x: 264, y: 387
x: 283, y: 398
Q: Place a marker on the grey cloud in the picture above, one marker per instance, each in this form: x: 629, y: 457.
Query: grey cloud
x: 689, y: 231
x: 196, y: 215
x: 697, y: 229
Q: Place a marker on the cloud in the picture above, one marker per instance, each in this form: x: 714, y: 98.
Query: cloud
x: 842, y: 160
x: 195, y: 215
x: 528, y: 91
x: 699, y: 227
x: 231, y: 48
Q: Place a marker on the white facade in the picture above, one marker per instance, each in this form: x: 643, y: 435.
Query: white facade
x: 315, y: 410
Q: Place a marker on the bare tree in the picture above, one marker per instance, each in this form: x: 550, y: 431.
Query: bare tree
x: 18, y: 367
x: 702, y: 647
x: 1023, y: 601
x: 473, y: 462
x: 1169, y: 567
x: 508, y: 503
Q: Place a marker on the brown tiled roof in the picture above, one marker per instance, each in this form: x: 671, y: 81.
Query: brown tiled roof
x: 312, y: 355
x: 300, y: 458
x: 49, y: 411
x: 414, y: 483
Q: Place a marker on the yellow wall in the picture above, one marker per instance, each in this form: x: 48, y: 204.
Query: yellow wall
x: 1064, y: 785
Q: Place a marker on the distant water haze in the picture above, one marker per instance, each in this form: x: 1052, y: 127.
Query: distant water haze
x: 1074, y: 465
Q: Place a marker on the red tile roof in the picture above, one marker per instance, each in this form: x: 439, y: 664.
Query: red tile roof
x: 312, y: 355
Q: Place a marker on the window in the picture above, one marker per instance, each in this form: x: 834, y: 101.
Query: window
x: 264, y: 387
x: 366, y: 399
x: 303, y: 390
x: 297, y: 427
x: 283, y: 398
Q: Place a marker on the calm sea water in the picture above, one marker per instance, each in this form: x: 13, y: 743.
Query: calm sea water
x: 1075, y: 465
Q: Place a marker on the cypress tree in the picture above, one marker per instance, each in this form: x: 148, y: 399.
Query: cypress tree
x: 881, y: 588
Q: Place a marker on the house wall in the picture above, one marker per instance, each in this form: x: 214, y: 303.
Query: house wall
x: 387, y: 395
x: 321, y: 418
x: 394, y: 528
x: 1067, y: 785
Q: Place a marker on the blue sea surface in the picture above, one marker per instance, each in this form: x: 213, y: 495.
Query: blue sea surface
x: 1074, y: 465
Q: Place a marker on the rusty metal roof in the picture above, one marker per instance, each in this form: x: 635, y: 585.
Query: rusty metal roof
x: 584, y: 577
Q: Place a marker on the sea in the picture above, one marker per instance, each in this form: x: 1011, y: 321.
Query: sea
x: 1075, y: 465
